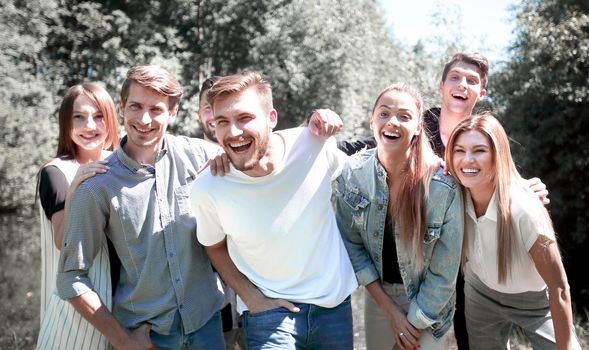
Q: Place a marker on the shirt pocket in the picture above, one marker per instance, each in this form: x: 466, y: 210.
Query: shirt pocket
x: 182, y: 194
x: 358, y: 205
x: 430, y: 238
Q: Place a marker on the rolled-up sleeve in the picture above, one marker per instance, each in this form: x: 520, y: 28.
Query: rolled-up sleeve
x: 439, y: 282
x: 364, y: 268
x: 84, y: 235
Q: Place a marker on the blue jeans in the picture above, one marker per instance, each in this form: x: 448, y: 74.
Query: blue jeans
x: 314, y: 327
x: 207, y: 337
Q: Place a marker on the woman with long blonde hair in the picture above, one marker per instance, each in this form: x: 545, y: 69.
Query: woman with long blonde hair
x: 513, y: 271
x: 402, y: 222
x: 87, y: 128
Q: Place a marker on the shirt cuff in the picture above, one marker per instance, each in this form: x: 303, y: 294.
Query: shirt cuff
x: 367, y: 275
x: 418, y: 318
x: 72, y: 284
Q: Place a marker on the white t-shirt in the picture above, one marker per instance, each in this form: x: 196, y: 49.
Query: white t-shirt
x: 281, y: 228
x: 528, y: 223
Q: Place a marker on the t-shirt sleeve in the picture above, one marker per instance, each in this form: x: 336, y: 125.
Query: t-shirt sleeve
x: 209, y: 230
x: 53, y: 188
x: 531, y: 224
x: 336, y: 158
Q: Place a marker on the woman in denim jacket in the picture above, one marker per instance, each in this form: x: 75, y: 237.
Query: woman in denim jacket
x: 402, y: 222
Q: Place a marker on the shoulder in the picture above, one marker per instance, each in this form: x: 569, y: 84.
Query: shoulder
x: 441, y: 180
x: 524, y: 203
x: 359, y: 167
x: 361, y: 159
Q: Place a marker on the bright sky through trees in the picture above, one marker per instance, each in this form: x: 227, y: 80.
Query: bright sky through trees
x: 482, y: 25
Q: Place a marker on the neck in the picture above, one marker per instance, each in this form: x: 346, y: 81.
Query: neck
x: 87, y: 156
x: 271, y: 158
x: 393, y: 162
x: 143, y: 155
x: 448, y: 121
x: 480, y: 199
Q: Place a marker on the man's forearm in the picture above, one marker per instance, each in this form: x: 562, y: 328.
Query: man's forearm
x: 247, y: 291
x: 93, y: 310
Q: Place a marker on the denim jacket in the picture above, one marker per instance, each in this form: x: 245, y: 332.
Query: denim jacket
x: 362, y: 200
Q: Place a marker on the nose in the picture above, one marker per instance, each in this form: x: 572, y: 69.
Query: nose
x: 90, y: 123
x: 146, y: 118
x: 234, y: 130
x: 393, y: 120
x: 462, y: 82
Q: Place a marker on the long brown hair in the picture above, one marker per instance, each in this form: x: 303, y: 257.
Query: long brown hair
x: 506, y: 178
x: 66, y: 148
x: 411, y: 211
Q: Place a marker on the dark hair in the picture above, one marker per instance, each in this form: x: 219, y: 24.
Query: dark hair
x: 474, y: 58
x: 233, y: 84
x: 66, y: 148
x: 207, y: 85
x: 155, y: 78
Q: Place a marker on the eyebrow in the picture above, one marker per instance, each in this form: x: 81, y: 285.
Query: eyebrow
x: 400, y: 109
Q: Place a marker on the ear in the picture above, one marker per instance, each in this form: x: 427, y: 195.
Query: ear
x: 272, y: 118
x: 482, y: 94
x: 174, y: 111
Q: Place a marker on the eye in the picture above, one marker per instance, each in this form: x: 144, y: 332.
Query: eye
x: 98, y: 116
x: 220, y: 122
x: 78, y: 117
x: 458, y: 150
x: 472, y: 81
x: 157, y: 110
x: 405, y: 117
x: 384, y: 114
x: 134, y: 107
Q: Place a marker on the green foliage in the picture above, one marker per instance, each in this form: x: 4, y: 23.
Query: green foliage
x: 545, y: 94
x: 26, y: 129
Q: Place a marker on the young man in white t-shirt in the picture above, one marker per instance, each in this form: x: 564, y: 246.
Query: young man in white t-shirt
x: 269, y: 227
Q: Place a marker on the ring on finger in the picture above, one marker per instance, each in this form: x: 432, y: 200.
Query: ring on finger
x: 401, y: 334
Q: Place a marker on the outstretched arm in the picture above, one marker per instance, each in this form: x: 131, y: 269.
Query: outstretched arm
x: 547, y: 259
x: 250, y: 294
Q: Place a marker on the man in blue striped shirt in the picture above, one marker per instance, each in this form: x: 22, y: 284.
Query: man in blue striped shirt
x: 167, y: 295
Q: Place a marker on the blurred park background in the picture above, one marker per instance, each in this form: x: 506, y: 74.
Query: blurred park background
x: 316, y: 53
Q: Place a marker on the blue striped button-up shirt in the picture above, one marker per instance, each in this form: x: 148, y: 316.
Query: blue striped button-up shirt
x: 145, y: 211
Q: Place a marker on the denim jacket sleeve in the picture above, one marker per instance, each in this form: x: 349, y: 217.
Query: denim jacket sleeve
x: 348, y: 206
x: 435, y: 298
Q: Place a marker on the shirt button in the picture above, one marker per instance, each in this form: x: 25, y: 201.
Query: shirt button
x: 375, y: 234
x: 171, y: 255
x: 380, y: 206
x: 182, y: 306
x: 177, y: 280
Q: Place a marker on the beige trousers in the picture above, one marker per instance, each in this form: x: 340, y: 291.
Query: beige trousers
x: 379, y: 335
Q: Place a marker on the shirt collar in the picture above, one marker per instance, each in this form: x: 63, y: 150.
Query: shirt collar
x: 490, y: 214
x: 135, y: 165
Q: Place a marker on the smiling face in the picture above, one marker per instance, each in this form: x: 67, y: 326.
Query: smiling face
x: 473, y: 162
x: 395, y: 121
x: 461, y: 89
x: 146, y: 114
x: 89, y: 130
x: 205, y: 115
x: 243, y: 128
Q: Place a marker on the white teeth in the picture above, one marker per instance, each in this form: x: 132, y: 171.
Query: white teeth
x: 464, y: 97
x: 391, y: 134
x: 470, y: 171
x: 239, y: 143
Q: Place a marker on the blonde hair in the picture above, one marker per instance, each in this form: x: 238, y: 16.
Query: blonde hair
x: 411, y: 211
x: 506, y: 178
x: 235, y: 84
